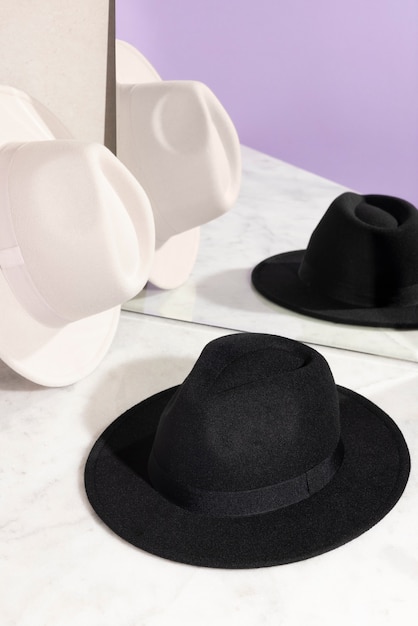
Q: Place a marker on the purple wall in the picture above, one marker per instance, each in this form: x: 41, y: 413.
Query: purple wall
x: 329, y: 86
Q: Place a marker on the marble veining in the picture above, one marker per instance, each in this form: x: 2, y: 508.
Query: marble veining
x: 60, y: 565
x: 277, y: 210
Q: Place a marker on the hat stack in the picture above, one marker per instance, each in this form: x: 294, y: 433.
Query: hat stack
x: 76, y: 241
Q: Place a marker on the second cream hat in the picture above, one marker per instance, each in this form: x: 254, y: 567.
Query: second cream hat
x: 180, y: 143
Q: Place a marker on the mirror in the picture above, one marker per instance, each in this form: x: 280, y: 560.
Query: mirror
x: 309, y: 97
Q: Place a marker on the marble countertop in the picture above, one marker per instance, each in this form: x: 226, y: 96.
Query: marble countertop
x: 61, y: 566
x: 278, y: 208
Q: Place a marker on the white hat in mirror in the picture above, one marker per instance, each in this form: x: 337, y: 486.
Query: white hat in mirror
x: 76, y: 241
x: 132, y: 67
x: 180, y: 143
x: 55, y: 331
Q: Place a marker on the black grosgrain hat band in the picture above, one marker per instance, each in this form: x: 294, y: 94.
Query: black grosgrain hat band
x: 258, y: 458
x: 250, y: 502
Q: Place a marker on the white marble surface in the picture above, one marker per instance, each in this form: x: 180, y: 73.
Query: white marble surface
x: 60, y: 566
x: 277, y: 210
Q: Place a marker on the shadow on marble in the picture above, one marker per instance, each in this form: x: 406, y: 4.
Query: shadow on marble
x: 223, y: 288
x: 106, y: 403
x: 12, y: 381
x: 115, y: 394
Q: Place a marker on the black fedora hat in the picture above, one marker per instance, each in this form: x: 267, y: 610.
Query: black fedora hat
x: 360, y: 266
x: 257, y: 459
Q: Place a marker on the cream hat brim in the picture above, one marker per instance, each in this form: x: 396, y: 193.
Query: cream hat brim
x: 52, y: 357
x: 174, y: 259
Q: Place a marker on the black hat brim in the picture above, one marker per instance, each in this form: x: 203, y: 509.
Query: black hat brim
x: 277, y: 279
x: 371, y: 479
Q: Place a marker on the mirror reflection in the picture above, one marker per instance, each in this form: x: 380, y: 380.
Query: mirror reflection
x: 305, y: 97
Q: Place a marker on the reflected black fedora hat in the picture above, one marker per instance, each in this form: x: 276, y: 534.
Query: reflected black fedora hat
x: 257, y: 459
x: 360, y: 266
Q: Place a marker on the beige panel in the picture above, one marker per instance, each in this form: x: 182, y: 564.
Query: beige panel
x: 57, y: 52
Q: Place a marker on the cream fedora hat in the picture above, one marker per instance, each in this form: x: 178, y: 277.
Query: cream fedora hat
x: 180, y: 143
x: 76, y: 241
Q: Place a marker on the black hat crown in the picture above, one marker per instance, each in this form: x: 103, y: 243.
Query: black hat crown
x: 364, y: 252
x: 255, y: 426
